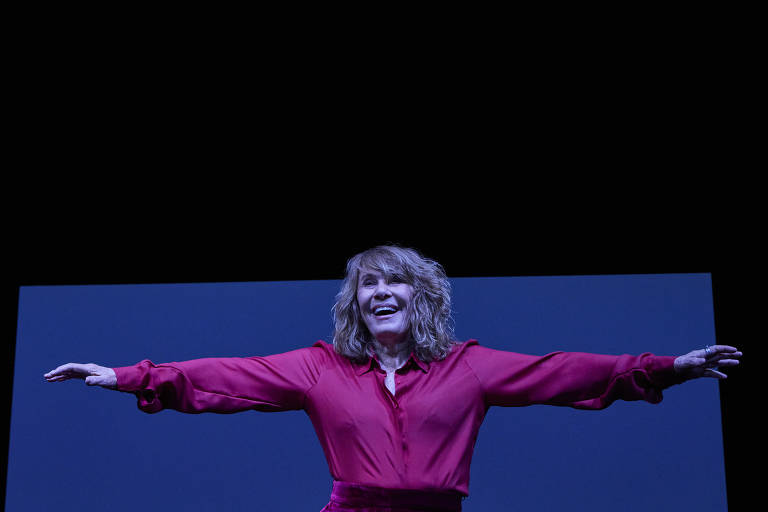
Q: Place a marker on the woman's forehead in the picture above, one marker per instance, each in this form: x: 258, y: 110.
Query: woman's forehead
x: 380, y: 270
x: 371, y: 271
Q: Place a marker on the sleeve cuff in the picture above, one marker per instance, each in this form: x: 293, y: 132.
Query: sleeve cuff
x: 128, y: 378
x: 662, y: 372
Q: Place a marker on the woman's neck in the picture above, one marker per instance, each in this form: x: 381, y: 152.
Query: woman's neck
x: 393, y: 355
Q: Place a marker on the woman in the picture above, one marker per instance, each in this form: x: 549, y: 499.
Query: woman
x: 396, y: 401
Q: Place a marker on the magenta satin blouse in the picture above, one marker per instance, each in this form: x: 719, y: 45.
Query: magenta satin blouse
x: 421, y: 438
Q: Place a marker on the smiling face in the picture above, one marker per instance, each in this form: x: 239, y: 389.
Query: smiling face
x: 384, y: 303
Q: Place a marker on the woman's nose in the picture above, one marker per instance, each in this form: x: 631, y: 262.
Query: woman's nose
x: 382, y: 289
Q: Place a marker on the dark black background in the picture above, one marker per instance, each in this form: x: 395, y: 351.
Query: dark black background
x: 184, y: 159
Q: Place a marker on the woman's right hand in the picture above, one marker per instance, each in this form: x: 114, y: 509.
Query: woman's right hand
x: 93, y: 374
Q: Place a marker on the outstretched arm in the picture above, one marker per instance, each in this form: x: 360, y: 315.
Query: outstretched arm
x: 277, y: 382
x: 587, y: 381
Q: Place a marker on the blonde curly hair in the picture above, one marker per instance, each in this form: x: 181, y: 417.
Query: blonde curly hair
x: 430, y: 318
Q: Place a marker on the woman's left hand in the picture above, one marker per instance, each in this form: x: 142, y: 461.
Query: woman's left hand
x: 706, y: 361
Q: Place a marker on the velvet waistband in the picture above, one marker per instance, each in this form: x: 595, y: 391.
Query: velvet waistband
x: 350, y: 496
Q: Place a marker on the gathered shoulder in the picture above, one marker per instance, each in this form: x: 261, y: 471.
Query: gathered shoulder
x: 461, y: 347
x: 324, y: 349
x: 327, y: 352
x: 323, y: 345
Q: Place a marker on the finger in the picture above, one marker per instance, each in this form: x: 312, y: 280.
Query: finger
x: 64, y: 376
x: 58, y: 370
x: 723, y: 348
x: 728, y: 362
x: 69, y: 368
x: 67, y: 374
x: 738, y: 353
x: 719, y: 360
x: 711, y: 353
x: 728, y: 355
x: 57, y: 377
x: 709, y: 372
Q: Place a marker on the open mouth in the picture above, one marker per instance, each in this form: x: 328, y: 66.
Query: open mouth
x: 385, y: 310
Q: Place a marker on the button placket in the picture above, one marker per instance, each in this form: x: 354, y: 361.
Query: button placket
x: 383, y: 385
x: 400, y: 378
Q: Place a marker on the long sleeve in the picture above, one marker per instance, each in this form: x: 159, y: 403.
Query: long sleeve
x: 225, y: 385
x: 575, y: 379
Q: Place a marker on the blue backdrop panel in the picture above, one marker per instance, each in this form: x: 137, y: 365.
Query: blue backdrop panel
x: 75, y: 447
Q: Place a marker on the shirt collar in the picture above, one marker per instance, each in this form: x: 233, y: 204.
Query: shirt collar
x: 373, y: 361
